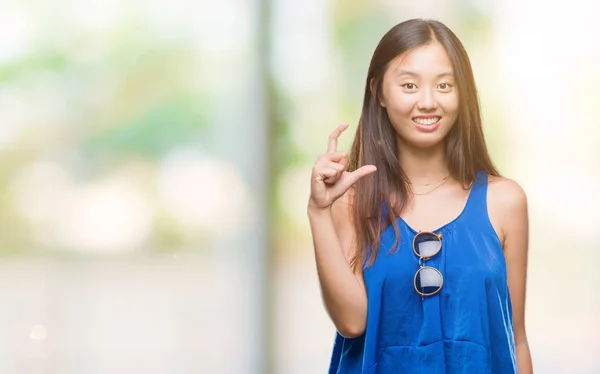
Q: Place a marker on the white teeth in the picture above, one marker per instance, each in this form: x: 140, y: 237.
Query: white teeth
x: 428, y: 121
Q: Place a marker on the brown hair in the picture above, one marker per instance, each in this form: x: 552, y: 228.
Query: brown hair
x: 375, y: 139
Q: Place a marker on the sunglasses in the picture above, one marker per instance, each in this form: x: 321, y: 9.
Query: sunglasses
x: 428, y: 280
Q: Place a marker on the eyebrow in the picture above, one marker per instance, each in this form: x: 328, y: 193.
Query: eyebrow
x: 413, y: 74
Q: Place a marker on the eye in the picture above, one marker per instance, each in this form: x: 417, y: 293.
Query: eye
x: 445, y: 87
x: 409, y: 86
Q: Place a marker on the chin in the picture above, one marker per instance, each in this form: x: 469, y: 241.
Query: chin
x: 424, y: 144
x: 423, y: 141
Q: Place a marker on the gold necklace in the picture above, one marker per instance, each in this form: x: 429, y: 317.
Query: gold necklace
x: 443, y: 181
x: 430, y: 183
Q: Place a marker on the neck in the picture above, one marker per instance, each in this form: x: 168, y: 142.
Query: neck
x: 423, y: 165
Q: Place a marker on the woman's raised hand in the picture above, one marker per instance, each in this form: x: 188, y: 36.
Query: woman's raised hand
x: 329, y: 179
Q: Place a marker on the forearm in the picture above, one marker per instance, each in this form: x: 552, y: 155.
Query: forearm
x: 343, y: 294
x: 524, y: 358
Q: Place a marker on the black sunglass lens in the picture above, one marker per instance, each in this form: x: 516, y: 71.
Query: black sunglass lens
x: 428, y: 281
x: 427, y: 244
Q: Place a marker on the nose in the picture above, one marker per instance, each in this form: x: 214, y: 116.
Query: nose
x: 427, y: 100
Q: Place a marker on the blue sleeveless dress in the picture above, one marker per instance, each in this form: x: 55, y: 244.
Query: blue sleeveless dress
x: 465, y: 328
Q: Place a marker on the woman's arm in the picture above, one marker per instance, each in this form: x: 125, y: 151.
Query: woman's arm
x: 343, y: 291
x: 329, y: 213
x: 509, y: 203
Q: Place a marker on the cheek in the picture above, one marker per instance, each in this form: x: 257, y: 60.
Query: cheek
x: 450, y: 104
x: 402, y: 107
x: 400, y: 102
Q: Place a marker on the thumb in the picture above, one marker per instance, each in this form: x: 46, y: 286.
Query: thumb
x: 361, y: 172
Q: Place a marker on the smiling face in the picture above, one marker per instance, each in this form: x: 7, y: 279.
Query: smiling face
x: 420, y: 96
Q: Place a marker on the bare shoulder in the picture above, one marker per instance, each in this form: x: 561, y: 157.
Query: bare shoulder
x: 506, y: 191
x: 507, y: 205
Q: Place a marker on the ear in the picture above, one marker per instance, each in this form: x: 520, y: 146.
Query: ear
x: 372, y: 87
x: 373, y: 92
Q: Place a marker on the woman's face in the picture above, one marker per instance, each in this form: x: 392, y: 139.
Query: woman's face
x: 420, y: 95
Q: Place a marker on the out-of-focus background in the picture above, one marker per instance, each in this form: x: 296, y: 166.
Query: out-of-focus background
x: 155, y: 161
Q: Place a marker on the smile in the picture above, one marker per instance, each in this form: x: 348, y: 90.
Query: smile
x: 426, y: 121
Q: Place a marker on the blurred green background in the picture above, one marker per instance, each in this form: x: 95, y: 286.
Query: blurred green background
x: 155, y: 161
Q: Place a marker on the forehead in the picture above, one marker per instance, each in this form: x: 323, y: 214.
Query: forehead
x: 429, y: 59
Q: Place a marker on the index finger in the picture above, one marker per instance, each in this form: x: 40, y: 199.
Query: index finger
x: 333, y: 138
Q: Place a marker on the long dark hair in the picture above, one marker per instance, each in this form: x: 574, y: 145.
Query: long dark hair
x: 375, y: 139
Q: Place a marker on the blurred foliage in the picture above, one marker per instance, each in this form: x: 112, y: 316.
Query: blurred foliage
x: 356, y: 32
x: 175, y: 121
x: 125, y: 95
x: 36, y: 61
x: 135, y: 93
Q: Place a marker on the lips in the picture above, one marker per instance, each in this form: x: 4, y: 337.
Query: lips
x: 427, y: 123
x: 426, y: 120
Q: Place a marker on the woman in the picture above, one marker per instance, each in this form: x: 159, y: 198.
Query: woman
x: 420, y: 245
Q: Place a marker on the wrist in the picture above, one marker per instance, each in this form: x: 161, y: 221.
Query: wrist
x: 314, y: 211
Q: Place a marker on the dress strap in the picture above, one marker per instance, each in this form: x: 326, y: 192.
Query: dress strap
x: 477, y: 202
